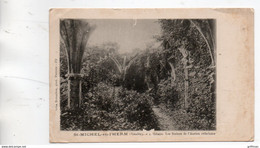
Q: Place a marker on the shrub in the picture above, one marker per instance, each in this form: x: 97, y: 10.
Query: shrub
x: 138, y: 109
x: 168, y: 95
x: 105, y: 110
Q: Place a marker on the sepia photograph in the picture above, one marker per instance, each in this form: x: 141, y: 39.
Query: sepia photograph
x: 140, y: 75
x: 137, y: 74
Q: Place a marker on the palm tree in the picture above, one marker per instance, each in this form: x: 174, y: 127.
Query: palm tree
x: 74, y: 36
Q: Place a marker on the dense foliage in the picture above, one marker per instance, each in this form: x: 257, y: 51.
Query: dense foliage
x: 106, y: 104
x: 119, y: 91
x: 127, y: 110
x: 201, y: 112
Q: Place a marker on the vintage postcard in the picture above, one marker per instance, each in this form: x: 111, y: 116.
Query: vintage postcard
x: 146, y: 75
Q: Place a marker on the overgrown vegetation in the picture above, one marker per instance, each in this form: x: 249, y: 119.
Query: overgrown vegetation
x: 119, y: 91
x: 127, y: 110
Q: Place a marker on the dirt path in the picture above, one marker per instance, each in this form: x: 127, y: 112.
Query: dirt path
x: 165, y: 121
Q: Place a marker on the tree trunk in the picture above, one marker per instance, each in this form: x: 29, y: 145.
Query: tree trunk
x: 74, y: 92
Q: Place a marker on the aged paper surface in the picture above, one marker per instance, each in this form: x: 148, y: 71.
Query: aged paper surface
x: 139, y: 75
